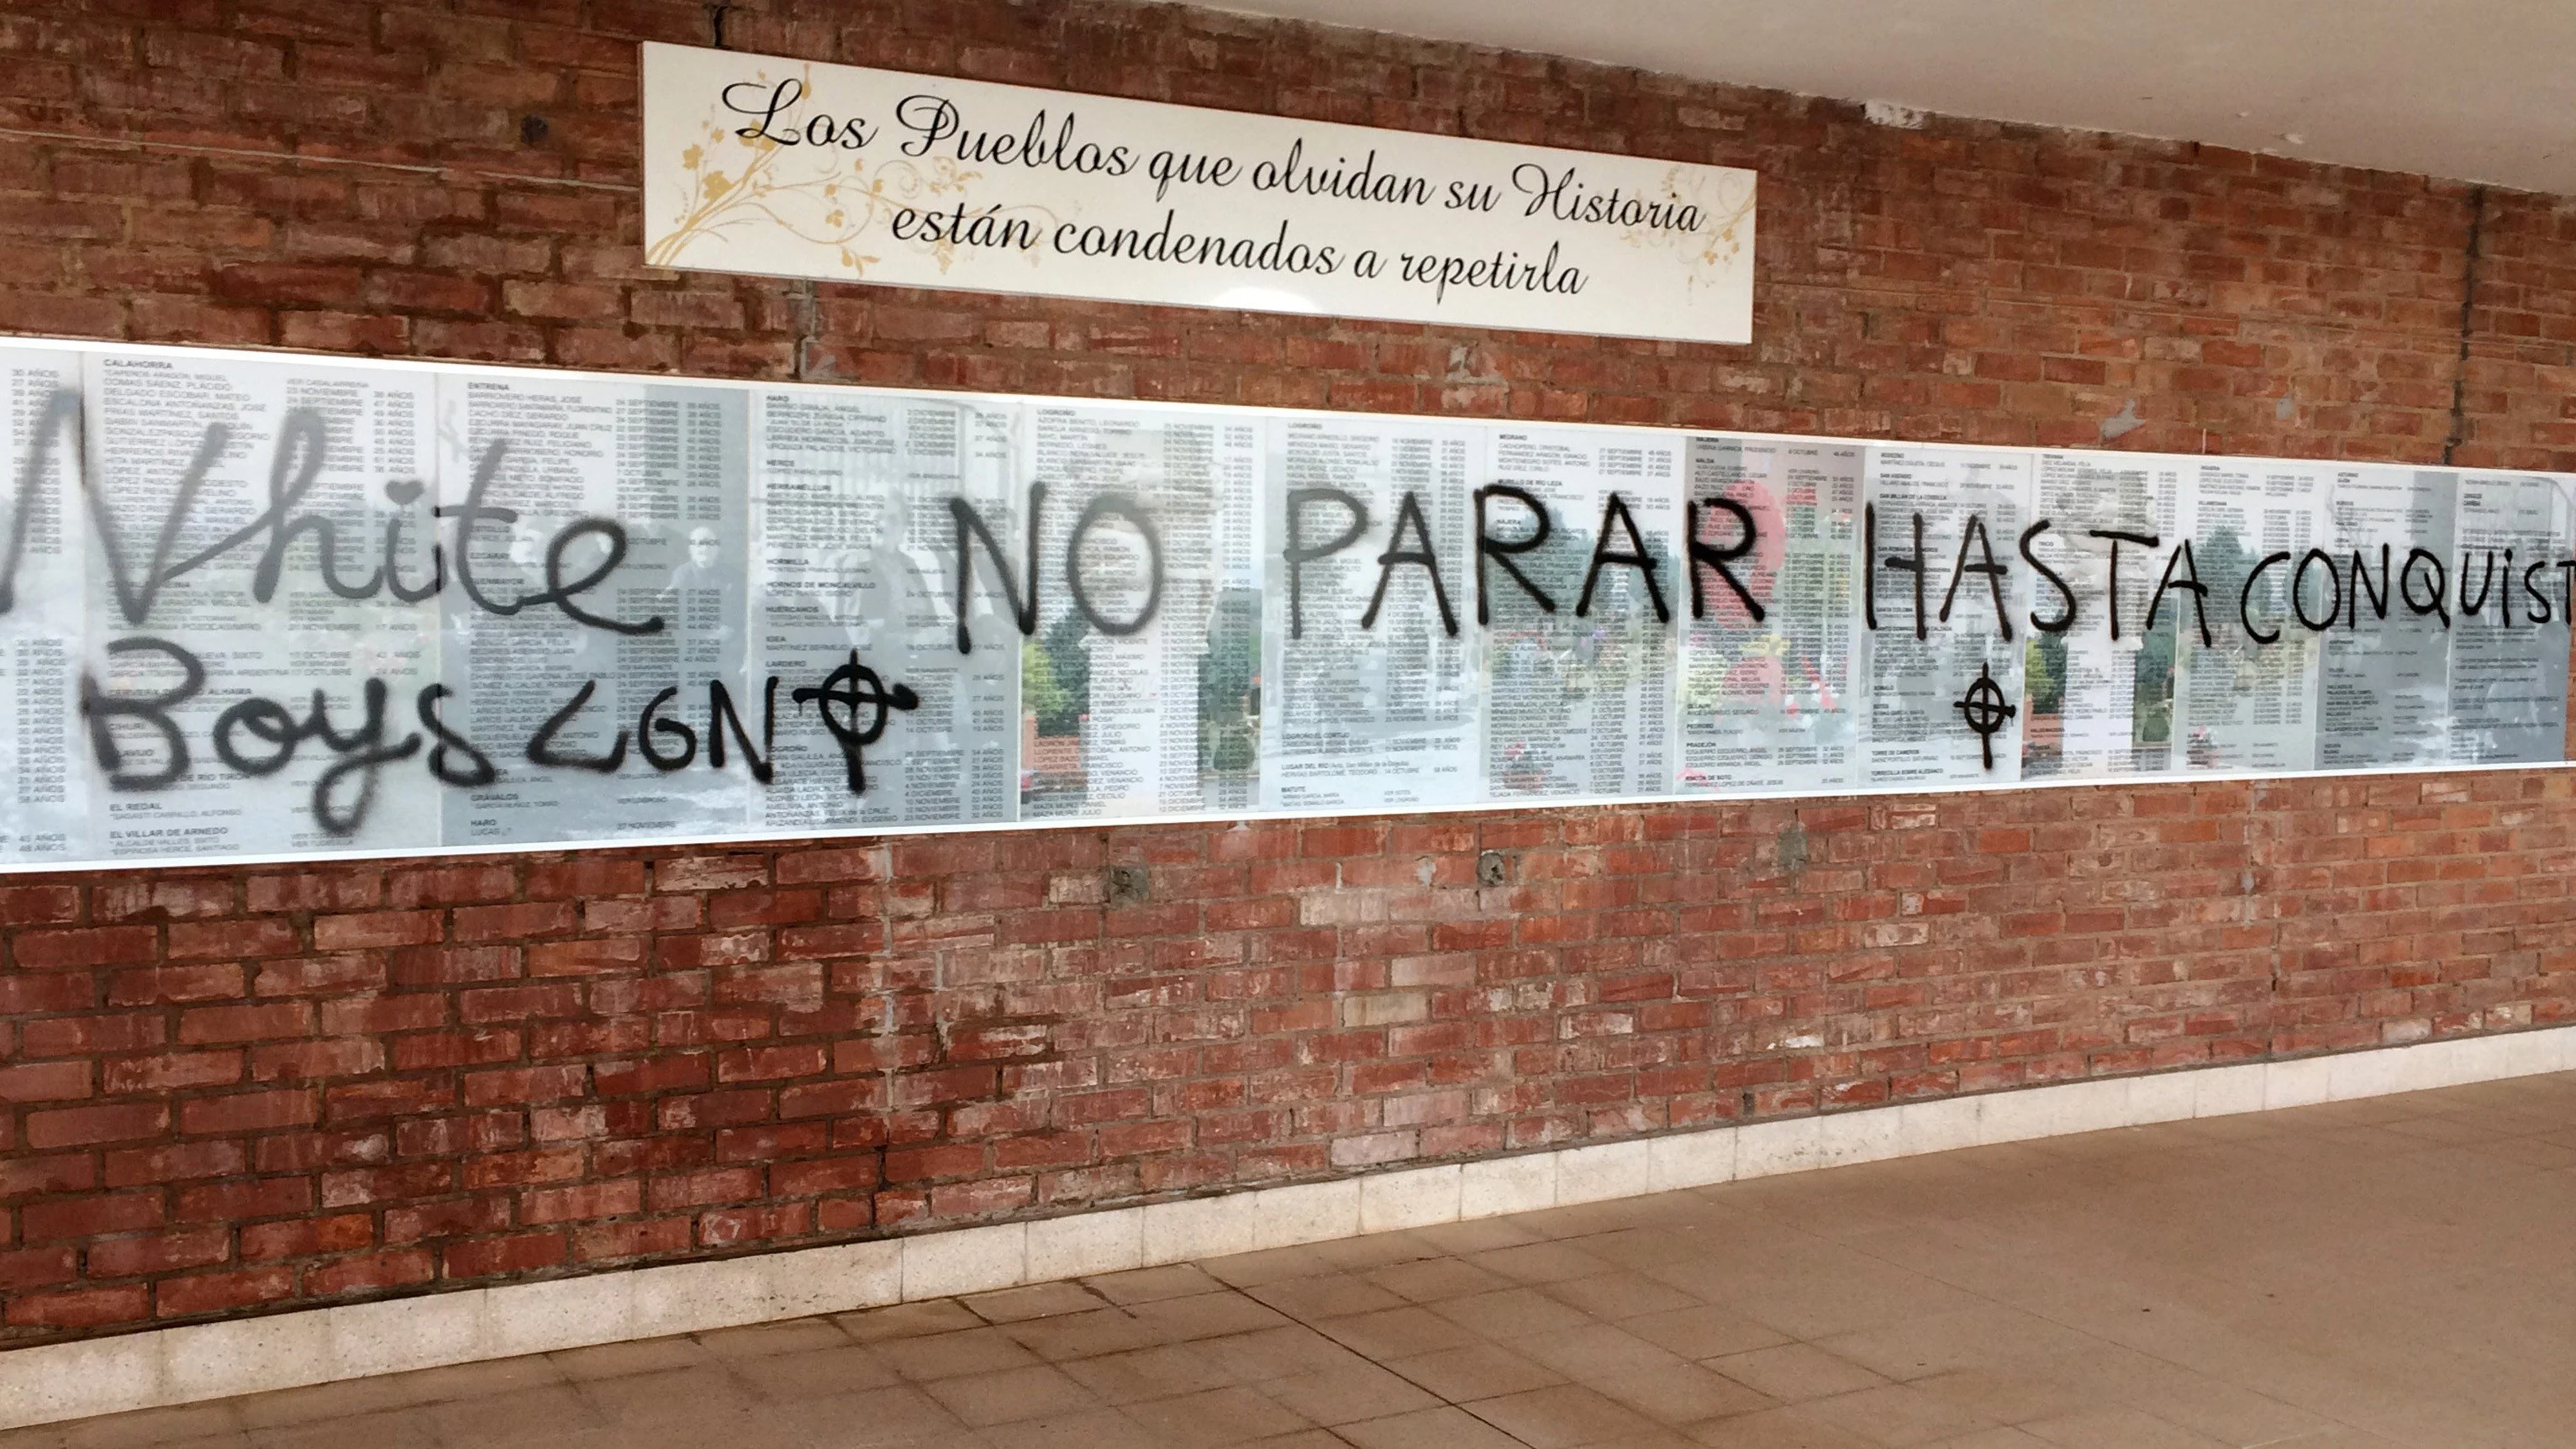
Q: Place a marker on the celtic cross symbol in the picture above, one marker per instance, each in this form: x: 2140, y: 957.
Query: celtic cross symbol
x: 855, y: 688
x: 1985, y: 711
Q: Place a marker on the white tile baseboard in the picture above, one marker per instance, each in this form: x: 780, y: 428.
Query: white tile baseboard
x: 157, y: 1368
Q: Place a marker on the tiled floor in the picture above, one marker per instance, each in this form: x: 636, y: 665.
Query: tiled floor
x: 2397, y: 1271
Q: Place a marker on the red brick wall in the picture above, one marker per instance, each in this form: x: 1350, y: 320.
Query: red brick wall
x: 280, y: 1086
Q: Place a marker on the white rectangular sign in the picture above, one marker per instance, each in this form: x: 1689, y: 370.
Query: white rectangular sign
x: 798, y: 169
x: 264, y: 606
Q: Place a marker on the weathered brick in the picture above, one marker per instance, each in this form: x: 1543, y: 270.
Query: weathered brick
x: 249, y: 1112
x: 376, y: 929
x: 131, y: 1257
x: 107, y: 1122
x: 175, y: 983
x: 45, y: 1081
x: 210, y: 940
x: 193, y: 1294
x: 217, y: 1025
x: 496, y: 1257
x: 62, y: 1036
x: 87, y: 946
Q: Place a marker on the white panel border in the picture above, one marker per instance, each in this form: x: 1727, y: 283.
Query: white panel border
x: 751, y: 841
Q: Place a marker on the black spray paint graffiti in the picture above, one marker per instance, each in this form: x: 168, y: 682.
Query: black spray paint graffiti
x: 2423, y: 582
x: 1025, y: 608
x: 257, y: 737
x: 1623, y: 548
x: 1986, y: 713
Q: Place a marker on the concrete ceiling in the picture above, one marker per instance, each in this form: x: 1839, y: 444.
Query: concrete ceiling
x: 2476, y: 90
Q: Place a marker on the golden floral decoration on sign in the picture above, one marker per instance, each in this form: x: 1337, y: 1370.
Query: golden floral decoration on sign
x: 1718, y: 241
x: 1724, y: 245
x: 743, y: 181
x: 896, y: 185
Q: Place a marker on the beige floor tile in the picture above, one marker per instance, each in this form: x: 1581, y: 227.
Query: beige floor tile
x: 392, y: 1429
x: 1564, y: 1416
x: 1009, y: 1395
x: 2214, y: 1407
x: 2340, y: 1437
x: 946, y: 1355
x: 221, y: 1439
x: 1475, y: 1371
x: 161, y: 1426
x: 1986, y: 1335
x: 846, y: 1369
x: 286, y: 1408
x: 1273, y: 1353
x: 1396, y: 1333
x: 1703, y: 1332
x: 1477, y: 1235
x: 1371, y: 1251
x: 761, y: 1433
x: 1325, y: 1295
x: 1349, y: 1392
x: 2250, y: 1127
x: 2453, y: 1130
x: 1621, y: 1294
x: 1583, y: 1220
x: 520, y: 1416
x: 1641, y: 1249
x: 616, y: 1360
x: 1428, y: 1280
x: 706, y: 1395
x: 874, y: 1417
x: 1595, y: 1350
x: 1783, y: 1428
x: 1897, y: 1414
x: 1216, y: 1417
x: 1038, y: 1300
x: 1084, y: 1335
x: 1445, y: 1427
x: 1541, y: 1262
x: 323, y: 1403
x: 1733, y: 1272
x: 1844, y: 1297
x: 361, y: 1396
x: 1303, y: 1439
x: 1796, y: 1372
x: 796, y: 1335
x: 1681, y: 1394
x: 468, y: 1381
x: 1207, y: 1315
x: 1148, y: 1285
x: 1161, y: 1372
x: 2007, y: 1396
x: 2119, y: 1429
x: 1271, y: 1265
x: 907, y: 1320
x: 1086, y: 1429
x: 1657, y: 1438
x: 1511, y: 1313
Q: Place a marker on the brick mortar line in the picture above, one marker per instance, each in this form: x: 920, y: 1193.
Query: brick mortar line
x: 137, y: 143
